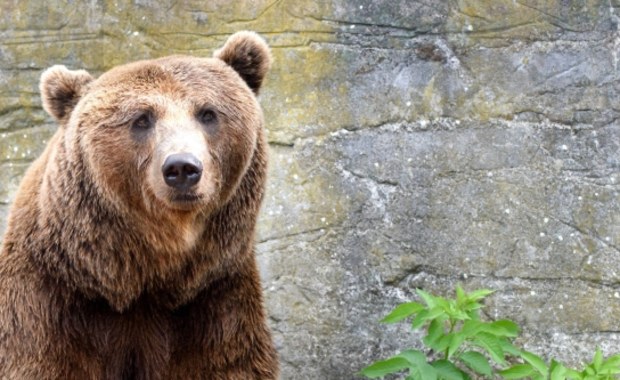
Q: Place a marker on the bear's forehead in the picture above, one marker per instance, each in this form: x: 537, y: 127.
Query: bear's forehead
x: 168, y: 85
x: 167, y: 71
x: 184, y: 80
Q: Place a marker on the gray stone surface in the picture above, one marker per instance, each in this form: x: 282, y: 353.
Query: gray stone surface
x: 414, y: 144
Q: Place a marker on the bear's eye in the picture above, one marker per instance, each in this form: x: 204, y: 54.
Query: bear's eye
x: 144, y: 121
x: 207, y: 116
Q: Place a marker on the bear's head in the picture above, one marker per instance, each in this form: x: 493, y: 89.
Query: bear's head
x: 173, y: 134
x: 157, y: 169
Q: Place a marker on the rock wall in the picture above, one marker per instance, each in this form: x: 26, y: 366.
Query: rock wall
x: 414, y: 144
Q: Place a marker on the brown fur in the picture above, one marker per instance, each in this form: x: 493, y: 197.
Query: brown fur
x: 103, y: 275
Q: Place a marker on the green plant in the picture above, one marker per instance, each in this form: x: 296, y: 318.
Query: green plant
x: 536, y: 369
x: 461, y: 346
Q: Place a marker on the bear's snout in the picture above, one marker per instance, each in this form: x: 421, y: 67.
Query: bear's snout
x: 182, y: 170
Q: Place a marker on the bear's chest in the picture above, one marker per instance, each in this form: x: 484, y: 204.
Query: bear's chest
x: 136, y: 344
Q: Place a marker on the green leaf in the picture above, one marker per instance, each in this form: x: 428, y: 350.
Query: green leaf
x: 471, y: 327
x: 598, y: 360
x: 426, y: 315
x: 435, y: 331
x: 535, y: 361
x: 474, y: 314
x: 429, y: 300
x: 427, y: 372
x: 444, y: 304
x: 447, y: 371
x: 558, y: 371
x: 436, y: 312
x: 504, y: 328
x: 414, y: 357
x: 385, y: 367
x: 419, y: 320
x: 518, y: 371
x: 402, y: 311
x: 508, y: 347
x: 574, y: 375
x: 471, y: 309
x: 455, y: 342
x: 492, y: 345
x: 479, y: 294
x: 460, y: 315
x: 442, y: 343
x: 612, y: 364
x: 477, y: 362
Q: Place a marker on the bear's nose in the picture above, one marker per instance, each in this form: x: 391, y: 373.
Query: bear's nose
x: 182, y: 170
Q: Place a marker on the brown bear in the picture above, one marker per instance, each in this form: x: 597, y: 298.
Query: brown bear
x: 129, y: 252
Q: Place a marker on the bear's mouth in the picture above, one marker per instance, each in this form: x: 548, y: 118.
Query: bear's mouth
x: 186, y: 200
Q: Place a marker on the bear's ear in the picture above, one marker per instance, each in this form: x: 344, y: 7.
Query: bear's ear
x: 61, y: 89
x: 249, y: 55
